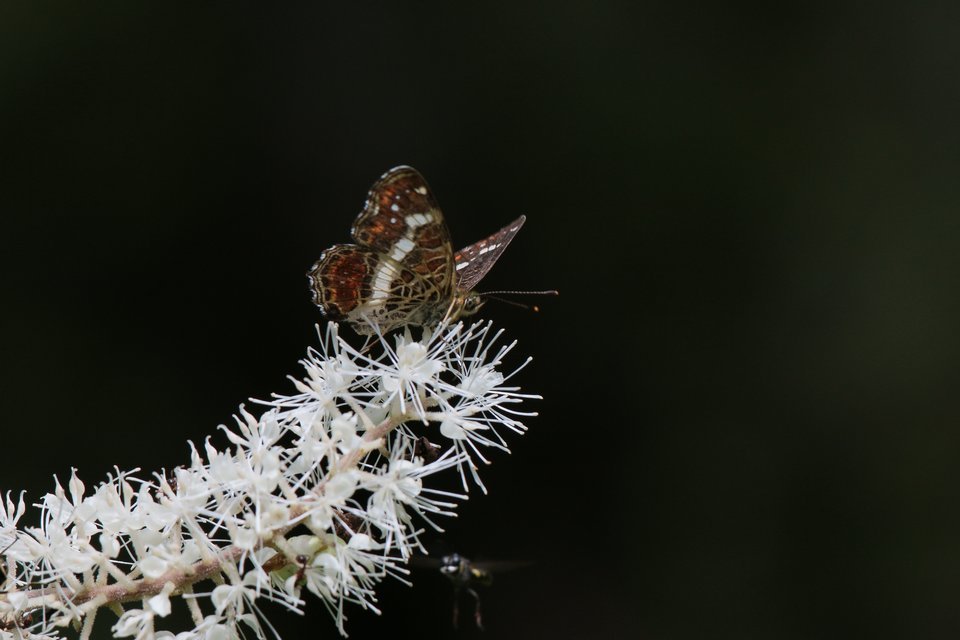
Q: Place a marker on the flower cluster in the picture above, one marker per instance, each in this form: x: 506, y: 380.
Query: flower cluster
x: 324, y: 491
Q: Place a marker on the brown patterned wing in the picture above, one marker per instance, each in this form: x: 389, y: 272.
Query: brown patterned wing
x: 402, y: 220
x: 473, y: 262
x: 358, y: 285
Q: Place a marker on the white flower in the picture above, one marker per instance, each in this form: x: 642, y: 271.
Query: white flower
x: 160, y: 603
x: 327, y: 489
x: 135, y: 622
x: 212, y: 628
x: 406, y: 377
x: 10, y: 514
x: 233, y: 599
x: 323, y: 509
x: 61, y: 552
x: 343, y: 430
x: 322, y: 575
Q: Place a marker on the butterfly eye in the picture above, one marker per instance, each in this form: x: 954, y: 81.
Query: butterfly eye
x: 472, y: 304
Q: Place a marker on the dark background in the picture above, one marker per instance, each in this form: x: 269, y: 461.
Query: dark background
x: 749, y: 426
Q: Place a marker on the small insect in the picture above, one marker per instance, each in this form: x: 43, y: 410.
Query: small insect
x: 14, y: 621
x: 345, y: 525
x: 303, y: 562
x: 465, y: 574
x: 171, y: 478
x: 403, y: 269
x: 426, y: 450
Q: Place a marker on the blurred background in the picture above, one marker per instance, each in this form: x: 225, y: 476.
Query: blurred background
x: 749, y: 426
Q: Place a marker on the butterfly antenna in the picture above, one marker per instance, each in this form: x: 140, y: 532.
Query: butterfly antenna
x: 367, y: 346
x: 532, y: 307
x: 550, y: 292
x: 514, y: 303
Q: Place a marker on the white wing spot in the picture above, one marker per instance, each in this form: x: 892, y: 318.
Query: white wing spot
x: 401, y: 249
x: 421, y: 190
x: 384, y: 277
x: 394, y: 207
x: 418, y: 219
x: 462, y: 264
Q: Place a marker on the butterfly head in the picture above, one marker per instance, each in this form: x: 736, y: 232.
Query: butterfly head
x: 464, y: 304
x: 472, y: 302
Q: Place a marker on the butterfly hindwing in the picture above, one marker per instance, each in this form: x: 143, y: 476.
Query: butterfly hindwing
x: 356, y: 284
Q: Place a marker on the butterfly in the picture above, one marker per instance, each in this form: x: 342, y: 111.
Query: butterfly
x: 403, y: 269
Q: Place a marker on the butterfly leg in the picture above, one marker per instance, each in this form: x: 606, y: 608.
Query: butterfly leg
x: 367, y: 345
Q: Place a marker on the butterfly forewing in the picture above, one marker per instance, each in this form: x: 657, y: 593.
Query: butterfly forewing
x: 473, y: 262
x: 402, y: 220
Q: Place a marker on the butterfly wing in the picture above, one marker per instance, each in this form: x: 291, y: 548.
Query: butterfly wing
x: 361, y: 285
x: 402, y: 220
x: 403, y: 269
x: 473, y: 262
